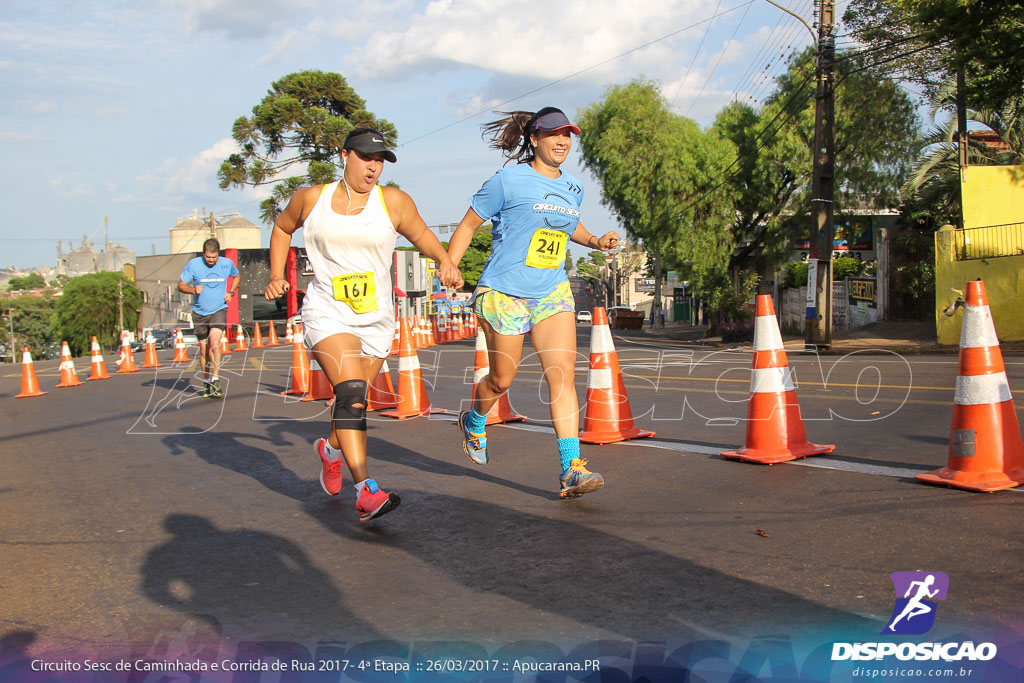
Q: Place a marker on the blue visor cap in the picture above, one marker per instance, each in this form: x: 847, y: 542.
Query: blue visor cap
x: 554, y: 121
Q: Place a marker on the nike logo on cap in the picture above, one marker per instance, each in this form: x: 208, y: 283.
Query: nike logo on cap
x: 376, y: 139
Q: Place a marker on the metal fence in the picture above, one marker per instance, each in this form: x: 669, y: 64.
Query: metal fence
x: 990, y: 242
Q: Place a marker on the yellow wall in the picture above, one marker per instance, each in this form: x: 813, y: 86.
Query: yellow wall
x: 1004, y: 284
x: 993, y: 195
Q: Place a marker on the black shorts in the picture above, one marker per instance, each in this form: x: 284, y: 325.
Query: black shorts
x: 203, y: 323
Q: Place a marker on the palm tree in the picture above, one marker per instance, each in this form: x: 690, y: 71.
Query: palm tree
x: 935, y: 180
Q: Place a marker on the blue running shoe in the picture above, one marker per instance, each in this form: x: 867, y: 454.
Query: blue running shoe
x: 576, y: 480
x: 473, y: 445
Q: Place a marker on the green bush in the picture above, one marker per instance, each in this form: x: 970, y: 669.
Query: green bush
x: 796, y: 275
x: 846, y: 267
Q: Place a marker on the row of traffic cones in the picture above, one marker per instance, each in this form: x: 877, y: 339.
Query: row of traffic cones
x: 438, y: 329
x: 68, y: 373
x: 986, y: 452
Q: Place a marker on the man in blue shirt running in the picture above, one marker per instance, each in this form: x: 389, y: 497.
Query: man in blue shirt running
x: 206, y: 277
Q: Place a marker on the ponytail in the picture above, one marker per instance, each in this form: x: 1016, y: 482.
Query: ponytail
x: 511, y: 134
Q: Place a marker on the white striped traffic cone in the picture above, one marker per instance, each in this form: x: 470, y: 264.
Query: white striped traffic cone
x: 608, y: 417
x: 775, y: 429
x: 99, y: 368
x: 985, y: 448
x: 501, y: 411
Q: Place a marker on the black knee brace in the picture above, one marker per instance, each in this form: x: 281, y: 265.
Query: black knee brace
x: 347, y: 395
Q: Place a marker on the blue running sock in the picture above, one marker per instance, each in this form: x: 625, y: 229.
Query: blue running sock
x: 476, y: 422
x: 568, y: 450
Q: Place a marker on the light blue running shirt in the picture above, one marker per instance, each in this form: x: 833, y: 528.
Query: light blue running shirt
x: 214, y: 281
x: 532, y: 218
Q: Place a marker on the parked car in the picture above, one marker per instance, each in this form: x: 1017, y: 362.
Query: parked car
x: 188, y: 336
x: 625, y: 318
x: 584, y: 317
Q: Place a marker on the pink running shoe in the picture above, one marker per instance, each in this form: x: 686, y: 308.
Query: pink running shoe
x: 373, y: 502
x: 330, y: 471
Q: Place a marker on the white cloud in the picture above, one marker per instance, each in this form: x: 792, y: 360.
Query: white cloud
x: 195, y: 178
x: 70, y: 186
x: 526, y: 37
x: 196, y: 174
x: 29, y: 138
x: 245, y: 20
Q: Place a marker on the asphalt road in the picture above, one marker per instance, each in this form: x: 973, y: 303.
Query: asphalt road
x: 137, y: 516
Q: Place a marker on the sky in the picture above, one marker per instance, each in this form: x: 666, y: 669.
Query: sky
x: 116, y: 115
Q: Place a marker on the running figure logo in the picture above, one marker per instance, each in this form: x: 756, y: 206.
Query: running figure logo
x: 914, y: 612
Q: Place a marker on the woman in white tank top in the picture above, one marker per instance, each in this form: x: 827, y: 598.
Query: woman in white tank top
x: 348, y: 314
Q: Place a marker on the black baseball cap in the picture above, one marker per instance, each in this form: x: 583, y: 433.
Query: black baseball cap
x: 368, y: 141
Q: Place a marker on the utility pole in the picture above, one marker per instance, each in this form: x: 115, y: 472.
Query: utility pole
x: 961, y: 137
x: 120, y: 308
x: 10, y: 323
x: 819, y: 281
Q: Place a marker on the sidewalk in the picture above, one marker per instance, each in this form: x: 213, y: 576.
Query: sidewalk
x: 899, y: 337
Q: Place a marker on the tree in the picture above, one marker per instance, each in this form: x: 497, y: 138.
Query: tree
x: 89, y: 307
x: 30, y: 281
x: 654, y: 168
x: 303, y: 120
x: 890, y: 35
x: 30, y: 318
x: 595, y: 271
x: 935, y: 181
x: 472, y: 264
x: 928, y: 41
x: 875, y: 131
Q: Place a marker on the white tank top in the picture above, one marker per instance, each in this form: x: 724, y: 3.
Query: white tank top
x: 342, y: 247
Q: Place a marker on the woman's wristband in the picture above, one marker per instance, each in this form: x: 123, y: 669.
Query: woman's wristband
x: 594, y: 237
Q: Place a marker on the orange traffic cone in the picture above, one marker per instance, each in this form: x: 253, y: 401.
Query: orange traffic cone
x: 126, y: 363
x: 608, y: 417
x: 257, y: 338
x: 289, y: 334
x: 442, y: 328
x: 150, y: 360
x: 985, y: 449
x: 412, y: 392
x: 225, y: 348
x: 461, y: 333
x: 421, y: 328
x: 99, y: 368
x: 501, y: 411
x: 271, y: 334
x: 68, y: 374
x: 320, y: 388
x: 240, y: 344
x: 396, y: 343
x: 29, y: 381
x: 180, y: 352
x: 381, y: 395
x: 300, y: 375
x: 775, y: 429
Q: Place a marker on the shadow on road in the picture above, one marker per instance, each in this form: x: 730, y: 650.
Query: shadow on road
x: 551, y: 565
x: 241, y: 577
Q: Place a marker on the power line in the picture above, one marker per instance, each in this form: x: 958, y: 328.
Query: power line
x: 761, y: 135
x: 574, y: 74
x: 778, y: 38
x: 796, y: 111
x: 696, y: 52
x: 717, y: 63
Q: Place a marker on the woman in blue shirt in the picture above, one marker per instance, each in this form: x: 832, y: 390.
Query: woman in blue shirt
x: 534, y: 209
